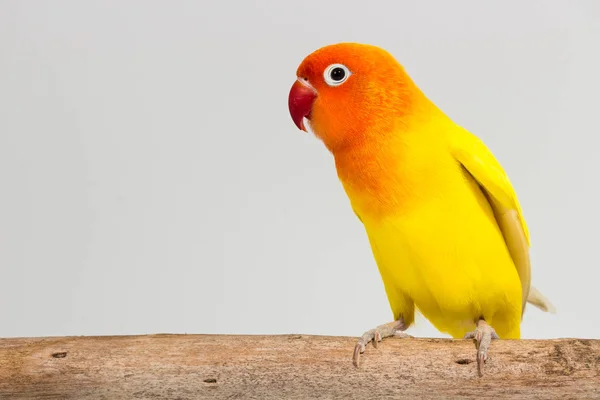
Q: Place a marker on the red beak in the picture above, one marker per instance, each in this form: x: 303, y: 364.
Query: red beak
x: 300, y: 103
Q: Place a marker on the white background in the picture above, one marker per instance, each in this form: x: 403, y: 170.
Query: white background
x: 152, y: 180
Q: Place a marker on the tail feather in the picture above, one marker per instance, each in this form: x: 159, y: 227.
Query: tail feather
x: 537, y: 299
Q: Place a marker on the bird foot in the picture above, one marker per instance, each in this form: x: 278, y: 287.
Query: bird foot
x: 482, y: 336
x: 391, y: 329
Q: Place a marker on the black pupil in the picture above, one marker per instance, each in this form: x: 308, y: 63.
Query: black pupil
x: 337, y: 74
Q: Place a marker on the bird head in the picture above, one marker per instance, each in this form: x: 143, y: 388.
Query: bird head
x: 347, y: 91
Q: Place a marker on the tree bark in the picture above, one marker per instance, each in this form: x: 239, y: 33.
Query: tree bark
x: 292, y: 367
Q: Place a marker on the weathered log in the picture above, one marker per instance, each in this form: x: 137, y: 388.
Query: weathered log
x: 292, y: 367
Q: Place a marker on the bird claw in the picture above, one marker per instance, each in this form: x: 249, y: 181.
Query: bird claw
x: 375, y: 336
x: 376, y: 339
x: 482, y: 336
x: 358, y: 349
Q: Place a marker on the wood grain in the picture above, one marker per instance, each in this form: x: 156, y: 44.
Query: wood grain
x: 292, y: 367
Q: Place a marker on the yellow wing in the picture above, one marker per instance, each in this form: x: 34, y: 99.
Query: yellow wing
x: 479, y: 161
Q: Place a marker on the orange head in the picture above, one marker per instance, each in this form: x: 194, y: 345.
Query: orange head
x: 348, y: 91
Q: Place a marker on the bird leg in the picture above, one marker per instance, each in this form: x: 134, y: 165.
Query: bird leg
x: 482, y: 336
x: 391, y: 329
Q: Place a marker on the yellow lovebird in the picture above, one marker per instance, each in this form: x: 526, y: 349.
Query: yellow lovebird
x: 442, y: 218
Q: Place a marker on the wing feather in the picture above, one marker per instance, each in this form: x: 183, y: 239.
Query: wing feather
x: 479, y: 161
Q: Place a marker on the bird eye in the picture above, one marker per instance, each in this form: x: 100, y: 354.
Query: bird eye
x: 336, y: 74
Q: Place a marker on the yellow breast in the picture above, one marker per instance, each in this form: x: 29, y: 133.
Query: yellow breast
x: 436, y: 242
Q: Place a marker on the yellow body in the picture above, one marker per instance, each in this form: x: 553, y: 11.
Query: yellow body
x: 442, y: 251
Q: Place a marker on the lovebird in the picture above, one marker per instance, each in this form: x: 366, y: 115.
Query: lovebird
x: 442, y: 218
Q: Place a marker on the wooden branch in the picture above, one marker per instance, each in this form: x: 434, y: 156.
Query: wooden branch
x: 292, y: 367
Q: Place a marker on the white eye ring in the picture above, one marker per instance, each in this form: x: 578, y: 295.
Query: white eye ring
x: 334, y: 77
